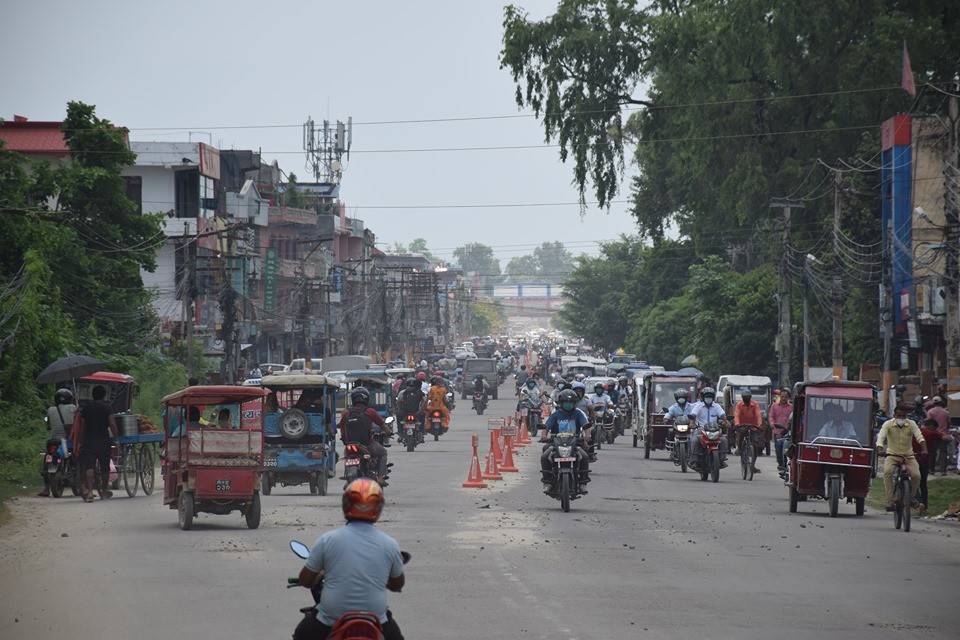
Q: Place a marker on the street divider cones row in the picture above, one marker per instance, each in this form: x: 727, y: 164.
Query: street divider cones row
x: 492, y: 472
x: 505, y: 440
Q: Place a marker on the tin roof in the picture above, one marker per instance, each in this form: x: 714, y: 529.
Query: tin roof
x: 213, y: 394
x: 41, y: 138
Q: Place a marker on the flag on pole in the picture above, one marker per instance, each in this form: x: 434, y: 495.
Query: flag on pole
x: 906, y: 77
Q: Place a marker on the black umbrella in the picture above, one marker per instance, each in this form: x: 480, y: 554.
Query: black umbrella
x: 69, y: 368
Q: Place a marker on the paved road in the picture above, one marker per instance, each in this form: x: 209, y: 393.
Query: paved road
x: 650, y: 552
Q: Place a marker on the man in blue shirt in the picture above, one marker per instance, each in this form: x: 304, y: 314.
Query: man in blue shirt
x: 568, y: 419
x: 682, y: 406
x: 357, y: 564
x: 708, y: 411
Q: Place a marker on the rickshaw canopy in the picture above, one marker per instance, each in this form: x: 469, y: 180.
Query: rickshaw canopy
x: 367, y: 376
x: 299, y: 381
x: 213, y: 395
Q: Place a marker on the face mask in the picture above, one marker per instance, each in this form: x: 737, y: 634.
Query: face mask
x: 708, y: 401
x: 568, y: 406
x: 681, y: 400
x: 901, y: 422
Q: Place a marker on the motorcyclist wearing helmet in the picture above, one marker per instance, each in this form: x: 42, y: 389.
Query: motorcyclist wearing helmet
x: 436, y: 401
x: 566, y: 418
x: 521, y: 377
x: 357, y: 564
x: 529, y: 395
x: 682, y: 406
x: 409, y: 401
x: 600, y: 397
x: 561, y: 385
x: 586, y: 406
x: 746, y: 414
x: 356, y: 426
x: 708, y: 411
x: 59, y: 422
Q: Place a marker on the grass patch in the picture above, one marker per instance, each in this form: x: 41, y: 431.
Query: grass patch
x: 21, y: 444
x: 941, y: 493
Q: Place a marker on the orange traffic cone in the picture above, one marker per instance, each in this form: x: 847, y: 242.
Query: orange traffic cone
x: 474, y: 478
x: 517, y: 441
x: 491, y: 472
x: 524, y: 434
x: 506, y: 464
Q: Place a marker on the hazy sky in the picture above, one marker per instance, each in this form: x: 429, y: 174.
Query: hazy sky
x: 250, y: 73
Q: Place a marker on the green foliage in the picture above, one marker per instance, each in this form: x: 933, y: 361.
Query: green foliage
x: 549, y: 263
x: 487, y: 318
x: 479, y: 258
x: 157, y: 377
x: 419, y: 245
x: 292, y: 195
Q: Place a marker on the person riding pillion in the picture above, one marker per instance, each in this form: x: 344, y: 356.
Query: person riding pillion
x: 356, y: 426
x: 437, y: 401
x: 568, y: 419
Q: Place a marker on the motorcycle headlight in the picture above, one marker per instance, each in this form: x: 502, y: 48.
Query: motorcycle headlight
x: 713, y: 434
x: 683, y: 427
x: 564, y: 452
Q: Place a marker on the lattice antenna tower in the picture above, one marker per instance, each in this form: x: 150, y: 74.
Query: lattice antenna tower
x: 327, y: 147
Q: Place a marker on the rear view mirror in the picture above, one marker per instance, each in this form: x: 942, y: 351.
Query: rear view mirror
x: 300, y: 549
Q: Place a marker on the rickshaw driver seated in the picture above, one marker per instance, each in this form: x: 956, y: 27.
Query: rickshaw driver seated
x: 706, y: 411
x: 896, y: 439
x: 836, y: 427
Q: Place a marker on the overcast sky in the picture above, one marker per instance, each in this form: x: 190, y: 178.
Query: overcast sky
x: 250, y: 73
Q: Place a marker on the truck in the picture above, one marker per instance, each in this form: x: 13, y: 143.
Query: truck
x: 485, y: 366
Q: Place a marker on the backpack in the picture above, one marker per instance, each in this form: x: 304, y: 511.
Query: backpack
x: 356, y: 428
x: 410, y: 400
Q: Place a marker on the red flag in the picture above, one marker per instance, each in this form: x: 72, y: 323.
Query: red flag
x: 906, y: 77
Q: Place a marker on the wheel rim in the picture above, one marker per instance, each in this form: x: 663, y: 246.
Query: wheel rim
x: 147, y: 471
x: 129, y: 472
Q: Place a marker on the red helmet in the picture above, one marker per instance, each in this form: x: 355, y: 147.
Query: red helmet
x: 438, y: 373
x: 422, y: 376
x: 363, y: 500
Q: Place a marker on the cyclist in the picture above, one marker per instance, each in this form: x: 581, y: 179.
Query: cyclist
x: 896, y: 442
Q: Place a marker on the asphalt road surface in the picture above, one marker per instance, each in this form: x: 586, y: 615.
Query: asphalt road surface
x: 650, y: 552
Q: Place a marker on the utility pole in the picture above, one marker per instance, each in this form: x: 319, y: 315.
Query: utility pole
x: 886, y: 308
x: 952, y: 233
x: 189, y: 278
x: 785, y: 341
x: 836, y: 292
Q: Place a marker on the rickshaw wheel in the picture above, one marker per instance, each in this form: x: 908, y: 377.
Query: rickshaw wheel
x: 76, y: 478
x: 322, y: 482
x: 834, y: 497
x: 185, y: 510
x: 265, y: 485
x: 147, y: 473
x: 129, y: 470
x: 252, y: 514
x: 794, y: 498
x: 294, y: 424
x: 313, y: 484
x: 860, y: 505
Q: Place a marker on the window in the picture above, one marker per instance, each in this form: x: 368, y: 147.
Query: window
x: 135, y: 191
x: 187, y: 193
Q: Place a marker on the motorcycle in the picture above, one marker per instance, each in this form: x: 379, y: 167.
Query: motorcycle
x: 410, y: 434
x: 59, y: 470
x: 358, y: 462
x: 479, y: 402
x: 533, y: 415
x: 678, y: 442
x: 564, y: 484
x: 355, y: 625
x: 435, y: 424
x: 626, y: 414
x: 606, y: 424
x: 707, y: 462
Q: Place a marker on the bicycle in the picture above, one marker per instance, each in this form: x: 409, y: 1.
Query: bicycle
x: 902, y: 493
x: 746, y: 447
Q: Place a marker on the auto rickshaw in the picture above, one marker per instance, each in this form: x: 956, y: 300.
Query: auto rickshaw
x: 831, y: 454
x: 761, y: 389
x: 658, y: 391
x: 212, y: 467
x: 299, y: 421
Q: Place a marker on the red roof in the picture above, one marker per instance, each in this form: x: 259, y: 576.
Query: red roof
x: 107, y: 376
x: 28, y: 137
x: 213, y: 394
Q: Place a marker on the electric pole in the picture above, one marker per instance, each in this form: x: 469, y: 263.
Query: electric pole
x: 785, y: 340
x: 836, y: 292
x: 189, y: 290
x: 952, y: 233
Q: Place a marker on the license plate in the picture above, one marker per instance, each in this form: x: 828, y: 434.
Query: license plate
x: 223, y: 485
x: 564, y: 459
x: 270, y: 462
x: 49, y: 458
x: 409, y: 431
x: 351, y: 462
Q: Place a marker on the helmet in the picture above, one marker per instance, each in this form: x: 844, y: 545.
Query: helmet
x: 413, y: 383
x: 478, y: 376
x: 531, y: 383
x: 363, y: 500
x: 63, y: 396
x: 708, y: 391
x: 746, y: 395
x: 569, y: 398
x: 578, y: 385
x: 438, y: 373
x: 360, y: 395
x: 622, y: 379
x: 681, y: 393
x: 561, y: 384
x: 422, y: 376
x: 599, y: 388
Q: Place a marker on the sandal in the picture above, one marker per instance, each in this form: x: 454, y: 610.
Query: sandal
x: 88, y: 497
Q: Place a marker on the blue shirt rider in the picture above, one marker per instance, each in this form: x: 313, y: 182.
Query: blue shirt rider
x: 682, y: 406
x: 567, y: 419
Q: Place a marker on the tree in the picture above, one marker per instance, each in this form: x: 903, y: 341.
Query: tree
x: 479, y: 258
x: 486, y: 317
x: 554, y: 262
x: 743, y: 97
x: 522, y: 269
x: 292, y: 195
x: 419, y: 245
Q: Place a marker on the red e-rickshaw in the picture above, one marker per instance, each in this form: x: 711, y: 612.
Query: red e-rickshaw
x: 213, y: 466
x: 831, y: 454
